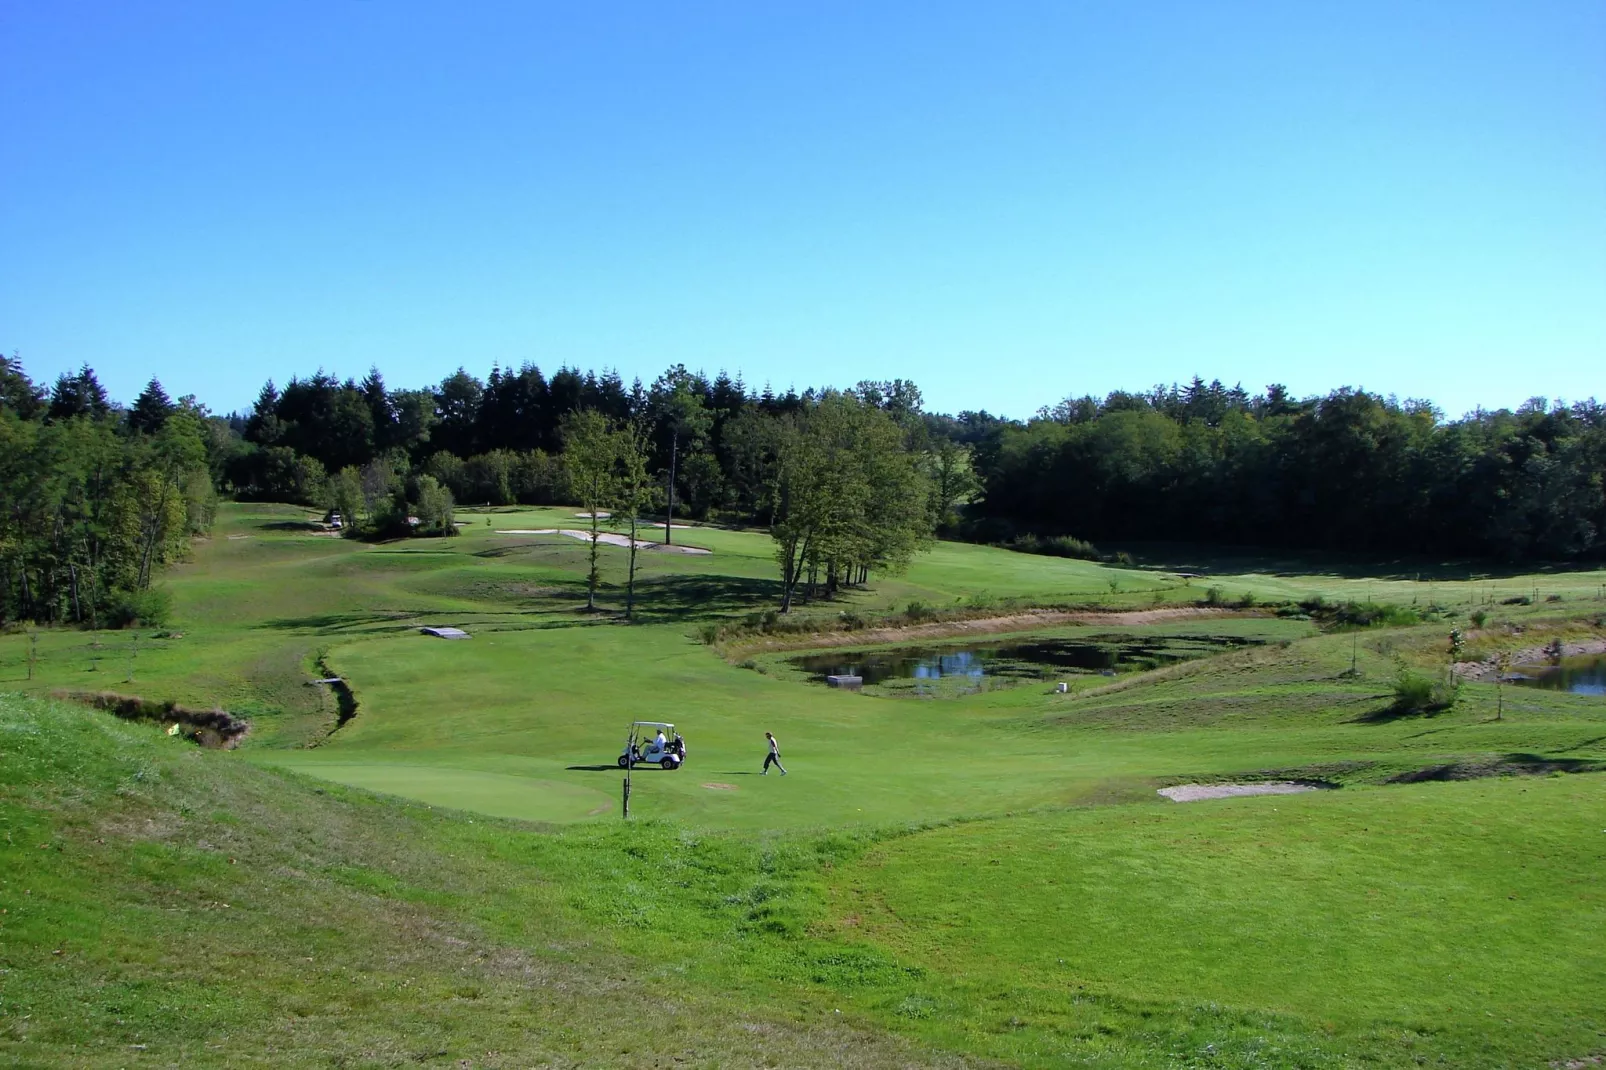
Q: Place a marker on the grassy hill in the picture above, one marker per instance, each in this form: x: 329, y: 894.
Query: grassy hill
x: 982, y: 877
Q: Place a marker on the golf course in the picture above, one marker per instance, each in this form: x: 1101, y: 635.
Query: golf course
x: 415, y: 852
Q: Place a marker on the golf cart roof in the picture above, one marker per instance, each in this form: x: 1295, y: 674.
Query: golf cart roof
x: 652, y: 724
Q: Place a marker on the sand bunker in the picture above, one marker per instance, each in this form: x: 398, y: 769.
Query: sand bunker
x: 607, y: 536
x: 1195, y: 792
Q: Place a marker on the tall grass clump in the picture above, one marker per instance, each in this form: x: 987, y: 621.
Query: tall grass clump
x: 1415, y: 693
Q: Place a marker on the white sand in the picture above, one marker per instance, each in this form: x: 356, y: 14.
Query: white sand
x: 1195, y: 792
x: 608, y: 537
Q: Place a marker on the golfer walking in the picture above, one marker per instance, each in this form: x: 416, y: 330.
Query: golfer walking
x: 773, y: 756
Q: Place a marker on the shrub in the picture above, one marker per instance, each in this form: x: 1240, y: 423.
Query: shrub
x: 149, y: 608
x: 1054, y: 546
x: 917, y: 610
x: 1248, y: 600
x: 1520, y: 600
x: 1479, y: 618
x: 1215, y: 596
x: 709, y: 633
x: 1416, y: 693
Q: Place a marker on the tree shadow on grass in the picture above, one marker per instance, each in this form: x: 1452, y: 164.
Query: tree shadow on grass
x: 692, y: 598
x: 1271, y: 561
x: 1393, y: 712
x: 1516, y: 763
x: 335, y: 622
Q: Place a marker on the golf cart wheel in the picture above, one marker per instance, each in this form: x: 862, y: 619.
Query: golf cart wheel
x: 669, y: 765
x: 623, y: 761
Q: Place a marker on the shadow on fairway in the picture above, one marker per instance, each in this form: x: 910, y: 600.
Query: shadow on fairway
x: 335, y: 622
x: 677, y: 598
x: 1514, y: 764
x: 597, y: 768
x: 1240, y: 560
x: 1391, y: 713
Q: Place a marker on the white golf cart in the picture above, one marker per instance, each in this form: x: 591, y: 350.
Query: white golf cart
x: 642, y: 746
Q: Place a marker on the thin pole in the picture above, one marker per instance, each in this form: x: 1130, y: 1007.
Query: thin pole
x: 630, y: 761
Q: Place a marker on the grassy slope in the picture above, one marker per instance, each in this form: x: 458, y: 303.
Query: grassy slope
x: 795, y: 918
x: 165, y: 906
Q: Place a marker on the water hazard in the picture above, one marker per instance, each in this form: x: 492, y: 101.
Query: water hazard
x: 1036, y: 659
x: 1581, y: 676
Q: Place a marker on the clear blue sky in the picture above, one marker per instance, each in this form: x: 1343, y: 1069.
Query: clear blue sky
x: 1007, y: 203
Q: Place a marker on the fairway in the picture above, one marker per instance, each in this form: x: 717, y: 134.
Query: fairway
x: 989, y: 873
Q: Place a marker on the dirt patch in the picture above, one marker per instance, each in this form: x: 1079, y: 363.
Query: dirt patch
x: 715, y: 785
x: 1488, y: 668
x: 1197, y: 792
x: 212, y: 728
x: 1030, y: 620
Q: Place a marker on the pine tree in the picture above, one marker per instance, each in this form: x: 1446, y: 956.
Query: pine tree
x: 151, y: 409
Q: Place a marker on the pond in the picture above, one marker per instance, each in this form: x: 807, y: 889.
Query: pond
x: 1016, y: 659
x: 1581, y: 676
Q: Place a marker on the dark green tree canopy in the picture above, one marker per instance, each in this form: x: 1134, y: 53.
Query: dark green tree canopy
x: 151, y: 409
x: 78, y: 395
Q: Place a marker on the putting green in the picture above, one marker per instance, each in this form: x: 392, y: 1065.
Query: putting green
x: 474, y: 790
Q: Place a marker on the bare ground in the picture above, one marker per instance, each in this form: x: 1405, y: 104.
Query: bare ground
x: 1196, y: 792
x: 1030, y: 620
x: 1532, y: 655
x: 608, y: 537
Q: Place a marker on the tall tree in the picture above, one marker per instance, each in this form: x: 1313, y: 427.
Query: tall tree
x: 684, y: 419
x: 78, y: 395
x: 634, y: 493
x: 18, y: 393
x: 589, y: 448
x: 151, y: 409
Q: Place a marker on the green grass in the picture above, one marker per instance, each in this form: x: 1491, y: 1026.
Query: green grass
x: 1458, y: 921
x: 923, y: 870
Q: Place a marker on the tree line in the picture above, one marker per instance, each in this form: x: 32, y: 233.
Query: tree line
x: 847, y: 481
x: 96, y: 500
x: 1350, y: 470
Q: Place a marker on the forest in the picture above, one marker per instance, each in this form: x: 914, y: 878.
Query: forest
x: 96, y: 500
x: 97, y: 497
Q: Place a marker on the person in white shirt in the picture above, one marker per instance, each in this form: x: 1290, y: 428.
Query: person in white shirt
x: 773, y: 756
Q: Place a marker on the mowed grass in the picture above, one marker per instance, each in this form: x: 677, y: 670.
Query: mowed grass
x: 1456, y: 922
x: 916, y: 872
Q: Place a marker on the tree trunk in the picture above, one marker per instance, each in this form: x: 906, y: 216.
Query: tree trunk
x: 77, y: 603
x: 630, y: 583
x: 669, y: 518
x: 591, y: 577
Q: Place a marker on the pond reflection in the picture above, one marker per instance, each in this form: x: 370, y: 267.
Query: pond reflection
x: 1014, y: 659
